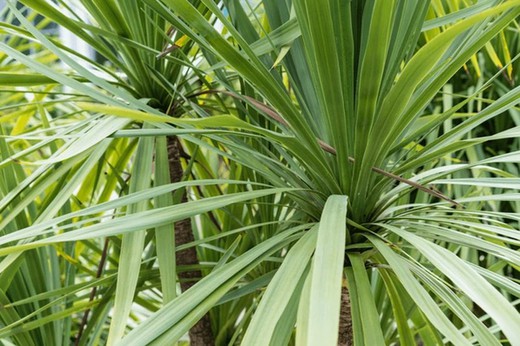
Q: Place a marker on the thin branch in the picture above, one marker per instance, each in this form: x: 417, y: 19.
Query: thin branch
x: 431, y: 191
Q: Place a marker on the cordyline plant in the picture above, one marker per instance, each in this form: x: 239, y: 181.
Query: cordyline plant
x: 332, y: 201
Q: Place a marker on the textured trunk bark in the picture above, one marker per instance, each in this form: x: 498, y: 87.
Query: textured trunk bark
x: 201, y: 333
x: 345, y: 320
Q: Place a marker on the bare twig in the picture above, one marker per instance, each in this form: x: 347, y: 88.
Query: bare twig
x: 167, y: 51
x: 168, y: 47
x: 429, y: 190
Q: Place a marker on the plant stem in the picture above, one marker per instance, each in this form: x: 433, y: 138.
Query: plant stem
x: 201, y: 333
x: 345, y: 319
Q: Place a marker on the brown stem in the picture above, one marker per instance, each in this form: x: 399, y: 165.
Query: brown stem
x: 345, y: 335
x: 432, y: 191
x: 201, y: 333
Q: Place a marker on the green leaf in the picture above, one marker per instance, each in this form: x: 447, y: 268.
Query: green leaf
x: 469, y: 281
x: 327, y: 274
x: 419, y: 294
x: 369, y: 316
x: 24, y: 79
x: 165, y: 235
x: 405, y: 333
x: 132, y: 244
x: 273, y: 303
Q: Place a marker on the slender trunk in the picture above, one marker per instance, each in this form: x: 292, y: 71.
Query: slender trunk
x: 345, y: 320
x: 201, y: 333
